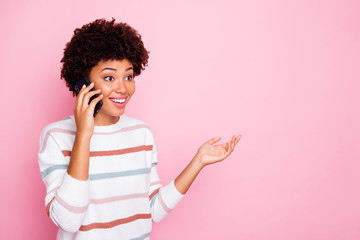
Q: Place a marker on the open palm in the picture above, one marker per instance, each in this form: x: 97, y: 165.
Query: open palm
x: 210, y: 153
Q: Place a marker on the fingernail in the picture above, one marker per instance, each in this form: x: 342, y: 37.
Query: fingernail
x: 92, y: 83
x: 83, y: 86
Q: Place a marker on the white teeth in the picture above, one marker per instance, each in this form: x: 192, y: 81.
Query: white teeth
x: 118, y: 100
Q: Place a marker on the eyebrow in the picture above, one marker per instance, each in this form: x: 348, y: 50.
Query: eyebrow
x: 113, y: 69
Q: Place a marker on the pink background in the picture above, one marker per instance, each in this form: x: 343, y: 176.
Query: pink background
x: 284, y: 74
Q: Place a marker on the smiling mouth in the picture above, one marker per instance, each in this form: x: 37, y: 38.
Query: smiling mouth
x: 118, y: 100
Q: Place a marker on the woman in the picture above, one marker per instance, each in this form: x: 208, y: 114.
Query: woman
x: 100, y: 172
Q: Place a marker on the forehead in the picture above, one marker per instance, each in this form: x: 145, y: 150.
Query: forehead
x: 116, y: 64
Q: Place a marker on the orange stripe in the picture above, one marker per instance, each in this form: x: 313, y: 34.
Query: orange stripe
x: 67, y: 153
x: 114, y: 223
x: 70, y: 132
x: 48, y: 207
x: 153, y: 193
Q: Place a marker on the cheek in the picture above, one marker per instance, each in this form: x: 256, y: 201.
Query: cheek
x: 105, y: 90
x: 131, y: 88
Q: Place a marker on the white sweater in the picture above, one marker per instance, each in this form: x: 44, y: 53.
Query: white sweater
x: 123, y: 194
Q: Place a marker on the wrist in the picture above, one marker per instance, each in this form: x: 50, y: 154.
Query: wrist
x: 197, y: 162
x: 83, y: 136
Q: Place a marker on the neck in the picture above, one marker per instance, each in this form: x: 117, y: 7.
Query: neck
x: 103, y: 121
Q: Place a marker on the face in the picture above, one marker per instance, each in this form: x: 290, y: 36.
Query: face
x: 115, y: 78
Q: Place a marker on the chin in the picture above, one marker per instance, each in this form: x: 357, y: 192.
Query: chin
x: 118, y: 114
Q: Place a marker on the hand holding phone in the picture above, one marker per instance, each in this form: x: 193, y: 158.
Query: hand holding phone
x: 85, y: 81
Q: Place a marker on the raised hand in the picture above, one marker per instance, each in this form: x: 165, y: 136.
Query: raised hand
x: 209, y: 153
x: 83, y: 111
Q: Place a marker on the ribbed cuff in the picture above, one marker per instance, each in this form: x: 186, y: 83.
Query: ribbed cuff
x: 170, y: 195
x: 74, y: 191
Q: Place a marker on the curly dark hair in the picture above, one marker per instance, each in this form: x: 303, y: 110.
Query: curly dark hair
x: 101, y: 40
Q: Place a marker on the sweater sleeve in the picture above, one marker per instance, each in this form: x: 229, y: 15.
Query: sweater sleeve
x: 162, y: 198
x: 66, y: 198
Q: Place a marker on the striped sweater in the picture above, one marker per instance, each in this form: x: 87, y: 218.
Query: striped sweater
x: 123, y: 194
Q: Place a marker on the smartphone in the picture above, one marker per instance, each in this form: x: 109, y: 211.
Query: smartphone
x: 85, y: 81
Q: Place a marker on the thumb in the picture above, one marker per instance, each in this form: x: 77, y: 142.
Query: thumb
x: 213, y: 140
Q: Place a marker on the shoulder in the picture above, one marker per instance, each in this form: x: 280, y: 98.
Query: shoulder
x: 65, y: 125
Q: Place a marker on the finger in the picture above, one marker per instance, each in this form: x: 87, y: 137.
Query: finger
x: 228, y: 150
x: 87, y: 97
x: 228, y: 147
x: 94, y: 102
x: 238, y: 139
x: 82, y: 92
x: 232, y: 143
x: 79, y: 97
x: 86, y: 89
x: 213, y: 140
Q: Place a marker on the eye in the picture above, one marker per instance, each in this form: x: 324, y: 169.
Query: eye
x: 129, y: 78
x: 108, y: 78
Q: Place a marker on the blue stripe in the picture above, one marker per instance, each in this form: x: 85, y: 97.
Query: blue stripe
x: 142, y: 237
x: 99, y: 176
x: 48, y: 170
x: 153, y: 199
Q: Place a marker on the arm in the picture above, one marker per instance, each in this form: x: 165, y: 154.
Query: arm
x: 83, y: 113
x: 66, y: 198
x: 67, y: 181
x: 207, y: 154
x: 164, y: 198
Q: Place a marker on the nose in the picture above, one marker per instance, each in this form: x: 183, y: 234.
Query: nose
x: 120, y: 87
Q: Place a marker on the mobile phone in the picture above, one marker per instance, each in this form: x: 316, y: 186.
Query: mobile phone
x: 85, y: 81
